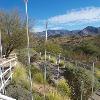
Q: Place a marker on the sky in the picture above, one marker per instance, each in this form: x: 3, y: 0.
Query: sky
x: 60, y: 14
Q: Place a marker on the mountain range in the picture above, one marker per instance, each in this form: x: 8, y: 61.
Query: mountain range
x: 89, y: 30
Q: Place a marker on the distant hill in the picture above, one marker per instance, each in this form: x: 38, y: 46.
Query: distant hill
x: 89, y: 30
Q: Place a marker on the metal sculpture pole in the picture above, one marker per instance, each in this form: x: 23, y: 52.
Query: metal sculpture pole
x: 28, y: 48
x: 45, y: 69
x: 81, y: 90
x: 0, y: 46
x: 46, y: 35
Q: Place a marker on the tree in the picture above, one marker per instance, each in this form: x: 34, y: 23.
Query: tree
x: 50, y: 47
x: 13, y: 31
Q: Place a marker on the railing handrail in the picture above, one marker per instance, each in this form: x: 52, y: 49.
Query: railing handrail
x: 4, y: 72
x: 2, y: 63
x: 6, y: 97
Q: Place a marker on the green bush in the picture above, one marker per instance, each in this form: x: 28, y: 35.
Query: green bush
x: 75, y: 76
x: 97, y: 73
x: 18, y: 91
x: 50, y: 47
x: 38, y: 97
x: 53, y: 96
x: 64, y: 88
x: 38, y: 77
x: 20, y: 76
x: 19, y: 88
x: 34, y: 70
x: 53, y: 60
x: 23, y: 56
x: 61, y: 64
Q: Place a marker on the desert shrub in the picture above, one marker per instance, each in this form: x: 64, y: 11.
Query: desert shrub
x: 68, y: 64
x: 18, y: 91
x: 64, y: 88
x: 38, y: 77
x: 34, y: 70
x: 50, y: 47
x: 20, y: 76
x: 36, y: 74
x: 22, y: 56
x: 61, y: 64
x: 75, y: 76
x: 97, y: 73
x: 19, y: 87
x: 88, y: 48
x: 53, y: 96
x: 37, y: 96
x: 52, y: 59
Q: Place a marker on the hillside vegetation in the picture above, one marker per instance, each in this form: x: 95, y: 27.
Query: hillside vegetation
x: 68, y: 66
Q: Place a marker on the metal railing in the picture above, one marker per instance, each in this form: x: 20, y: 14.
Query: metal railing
x: 3, y: 97
x: 6, y: 73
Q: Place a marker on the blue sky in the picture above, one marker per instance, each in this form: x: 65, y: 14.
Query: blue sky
x: 61, y: 14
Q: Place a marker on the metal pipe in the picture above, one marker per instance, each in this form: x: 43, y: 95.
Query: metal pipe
x: 45, y: 68
x: 82, y: 86
x: 5, y: 97
x: 28, y: 47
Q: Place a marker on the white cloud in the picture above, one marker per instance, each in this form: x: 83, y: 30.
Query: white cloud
x: 84, y: 15
x: 38, y: 29
x: 74, y: 19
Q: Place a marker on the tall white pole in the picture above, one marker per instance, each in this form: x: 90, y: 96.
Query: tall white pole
x: 28, y: 48
x: 45, y: 47
x: 93, y: 78
x: 46, y: 30
x: 45, y: 69
x: 46, y: 36
x: 0, y: 45
x: 81, y: 90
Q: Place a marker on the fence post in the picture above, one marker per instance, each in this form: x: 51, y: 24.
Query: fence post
x: 2, y: 83
x: 49, y: 57
x: 11, y: 70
